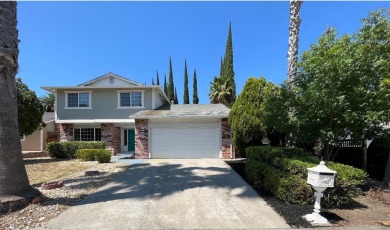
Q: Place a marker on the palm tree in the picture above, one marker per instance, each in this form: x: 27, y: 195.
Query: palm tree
x: 48, y: 102
x: 220, y: 91
x: 293, y: 39
x: 13, y: 176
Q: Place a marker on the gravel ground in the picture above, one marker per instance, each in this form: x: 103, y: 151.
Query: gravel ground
x: 77, y: 186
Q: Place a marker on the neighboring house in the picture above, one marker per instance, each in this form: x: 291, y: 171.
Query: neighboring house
x: 116, y: 110
x: 36, y: 142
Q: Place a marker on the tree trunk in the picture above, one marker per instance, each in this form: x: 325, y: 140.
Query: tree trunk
x: 386, y: 179
x: 293, y: 40
x: 13, y: 176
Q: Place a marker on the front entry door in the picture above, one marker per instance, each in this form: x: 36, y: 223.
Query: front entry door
x: 130, y: 140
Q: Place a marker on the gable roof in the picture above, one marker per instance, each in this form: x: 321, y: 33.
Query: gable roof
x: 190, y: 110
x: 107, y: 75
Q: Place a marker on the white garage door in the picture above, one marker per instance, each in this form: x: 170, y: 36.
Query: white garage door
x: 185, y: 140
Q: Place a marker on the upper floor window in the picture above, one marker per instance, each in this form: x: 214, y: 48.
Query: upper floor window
x: 128, y: 99
x: 78, y: 100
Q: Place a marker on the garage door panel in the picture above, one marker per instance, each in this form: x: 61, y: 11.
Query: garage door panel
x: 179, y: 140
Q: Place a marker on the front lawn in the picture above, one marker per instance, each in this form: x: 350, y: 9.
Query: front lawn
x: 43, y: 170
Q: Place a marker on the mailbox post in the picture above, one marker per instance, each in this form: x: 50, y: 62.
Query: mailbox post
x: 320, y: 177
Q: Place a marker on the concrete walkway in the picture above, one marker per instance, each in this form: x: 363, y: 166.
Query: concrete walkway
x: 172, y: 194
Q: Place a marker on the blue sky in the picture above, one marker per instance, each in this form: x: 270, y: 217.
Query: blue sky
x: 68, y: 43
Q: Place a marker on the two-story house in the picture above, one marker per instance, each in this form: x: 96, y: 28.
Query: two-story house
x: 129, y: 116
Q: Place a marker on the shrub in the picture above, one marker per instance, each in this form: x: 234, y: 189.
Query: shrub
x: 100, y: 155
x: 103, y: 156
x: 55, y: 149
x: 86, y: 154
x: 294, y: 162
x: 289, y: 188
x: 68, y: 149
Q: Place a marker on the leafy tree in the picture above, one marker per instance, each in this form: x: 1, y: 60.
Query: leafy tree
x: 175, y: 101
x: 165, y: 85
x: 279, y: 122
x: 293, y: 40
x: 158, y: 79
x: 30, y: 110
x: 341, y: 88
x: 13, y: 179
x: 48, y: 101
x: 220, y: 91
x: 246, y: 115
x: 186, y: 99
x: 171, y: 87
x: 195, y: 99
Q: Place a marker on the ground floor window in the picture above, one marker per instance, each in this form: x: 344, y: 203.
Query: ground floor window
x: 87, y: 134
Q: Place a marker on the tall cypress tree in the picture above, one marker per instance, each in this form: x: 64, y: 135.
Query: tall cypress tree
x: 195, y: 99
x: 165, y: 85
x: 186, y: 99
x: 158, y: 79
x: 221, y: 70
x: 152, y: 81
x: 227, y: 70
x: 171, y: 87
x: 175, y: 100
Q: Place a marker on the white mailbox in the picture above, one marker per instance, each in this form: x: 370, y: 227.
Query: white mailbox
x: 321, y: 176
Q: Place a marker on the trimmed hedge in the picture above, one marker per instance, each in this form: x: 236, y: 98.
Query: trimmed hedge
x: 103, y: 156
x: 68, y: 149
x: 287, y: 187
x: 100, y: 155
x: 283, y: 172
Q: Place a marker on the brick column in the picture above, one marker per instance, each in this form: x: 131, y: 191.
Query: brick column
x: 111, y: 135
x: 141, y: 139
x: 226, y: 139
x: 65, y: 132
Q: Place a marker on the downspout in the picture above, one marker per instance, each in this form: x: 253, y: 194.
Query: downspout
x: 41, y: 134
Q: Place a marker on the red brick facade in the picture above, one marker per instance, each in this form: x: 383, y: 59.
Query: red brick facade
x: 111, y: 135
x: 34, y: 154
x: 65, y: 132
x: 141, y: 139
x: 226, y: 139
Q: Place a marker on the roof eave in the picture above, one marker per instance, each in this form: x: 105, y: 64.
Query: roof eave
x: 97, y: 121
x: 178, y: 117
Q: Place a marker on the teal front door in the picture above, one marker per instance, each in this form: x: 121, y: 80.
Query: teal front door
x: 130, y: 140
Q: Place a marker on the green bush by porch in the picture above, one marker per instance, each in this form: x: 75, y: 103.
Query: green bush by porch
x: 100, y: 155
x: 68, y: 149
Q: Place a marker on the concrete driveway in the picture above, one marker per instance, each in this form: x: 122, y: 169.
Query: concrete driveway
x: 172, y: 194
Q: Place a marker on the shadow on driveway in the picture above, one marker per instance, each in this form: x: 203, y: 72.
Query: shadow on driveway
x: 150, y: 180
x: 172, y: 194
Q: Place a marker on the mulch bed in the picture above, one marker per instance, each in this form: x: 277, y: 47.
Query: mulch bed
x: 292, y: 213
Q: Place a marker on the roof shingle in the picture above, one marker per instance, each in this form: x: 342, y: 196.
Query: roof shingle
x: 190, y: 110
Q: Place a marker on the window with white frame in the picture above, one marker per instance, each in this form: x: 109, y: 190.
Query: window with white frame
x: 127, y: 99
x: 87, y: 134
x: 78, y: 99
